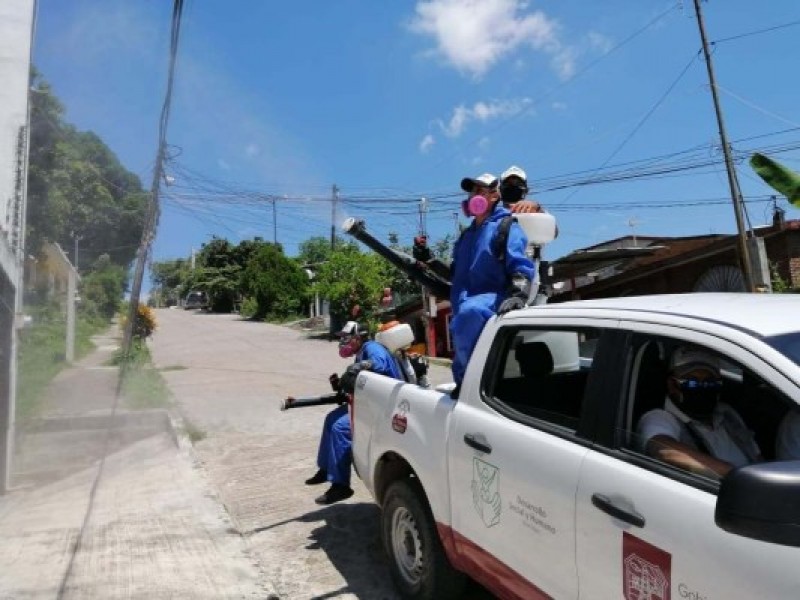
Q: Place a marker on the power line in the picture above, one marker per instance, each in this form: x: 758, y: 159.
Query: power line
x: 756, y: 32
x: 641, y: 122
x: 579, y: 73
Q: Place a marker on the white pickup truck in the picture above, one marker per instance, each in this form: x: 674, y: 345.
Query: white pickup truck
x: 534, y: 483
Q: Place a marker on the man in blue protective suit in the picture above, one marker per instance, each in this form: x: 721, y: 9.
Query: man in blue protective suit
x: 335, y: 446
x: 486, y: 280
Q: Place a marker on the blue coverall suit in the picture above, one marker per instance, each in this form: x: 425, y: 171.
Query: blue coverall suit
x: 480, y: 281
x: 335, y: 446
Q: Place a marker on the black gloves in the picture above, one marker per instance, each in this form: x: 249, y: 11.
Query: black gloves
x: 334, y: 381
x: 420, y: 250
x: 420, y: 365
x: 347, y: 382
x: 517, y: 294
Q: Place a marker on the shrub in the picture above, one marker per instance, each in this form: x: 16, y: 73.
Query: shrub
x: 145, y: 323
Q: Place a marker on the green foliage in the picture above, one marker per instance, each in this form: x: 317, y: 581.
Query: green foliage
x: 218, y: 273
x: 102, y: 289
x: 41, y: 355
x: 317, y: 249
x: 145, y: 323
x: 168, y: 279
x: 278, y: 284
x: 143, y: 386
x: 249, y: 307
x: 78, y: 188
x: 779, y: 284
x: 351, y: 279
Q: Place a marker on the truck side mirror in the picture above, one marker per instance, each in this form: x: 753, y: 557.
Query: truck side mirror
x: 762, y: 502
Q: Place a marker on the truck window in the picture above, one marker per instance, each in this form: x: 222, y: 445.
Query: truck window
x: 542, y: 374
x: 757, y: 404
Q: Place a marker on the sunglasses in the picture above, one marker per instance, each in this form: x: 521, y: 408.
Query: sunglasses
x: 699, y: 384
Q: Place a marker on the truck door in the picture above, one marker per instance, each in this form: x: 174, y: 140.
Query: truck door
x: 645, y: 528
x: 515, y: 459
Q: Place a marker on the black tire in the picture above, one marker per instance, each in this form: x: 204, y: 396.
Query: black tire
x: 417, y: 561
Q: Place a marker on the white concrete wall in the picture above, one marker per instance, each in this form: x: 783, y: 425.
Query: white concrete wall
x: 16, y: 33
x: 16, y: 21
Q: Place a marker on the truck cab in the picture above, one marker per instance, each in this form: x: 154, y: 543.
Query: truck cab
x: 535, y: 482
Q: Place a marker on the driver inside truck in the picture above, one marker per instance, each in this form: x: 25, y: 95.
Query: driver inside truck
x: 694, y: 430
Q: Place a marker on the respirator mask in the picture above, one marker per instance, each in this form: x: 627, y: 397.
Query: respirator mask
x: 348, y: 347
x: 512, y: 192
x: 474, y: 206
x: 698, y: 398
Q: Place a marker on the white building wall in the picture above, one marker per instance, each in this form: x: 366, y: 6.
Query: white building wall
x: 16, y: 24
x: 16, y: 37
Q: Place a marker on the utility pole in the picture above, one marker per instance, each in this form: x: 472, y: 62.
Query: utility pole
x: 334, y: 199
x: 274, y: 222
x: 733, y: 182
x: 77, y: 239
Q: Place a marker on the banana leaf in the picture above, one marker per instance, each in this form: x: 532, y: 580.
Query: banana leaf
x: 778, y: 177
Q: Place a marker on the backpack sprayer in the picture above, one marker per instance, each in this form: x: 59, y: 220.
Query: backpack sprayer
x: 395, y: 337
x: 540, y: 229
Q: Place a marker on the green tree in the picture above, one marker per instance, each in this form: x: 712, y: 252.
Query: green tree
x: 350, y: 279
x: 77, y: 188
x: 278, y: 284
x: 169, y: 279
x: 317, y: 249
x: 102, y: 289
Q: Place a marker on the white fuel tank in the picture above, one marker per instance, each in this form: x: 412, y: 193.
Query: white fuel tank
x: 397, y: 337
x: 539, y: 228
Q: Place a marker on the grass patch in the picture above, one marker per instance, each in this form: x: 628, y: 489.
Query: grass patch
x: 42, y: 355
x: 143, y: 386
x: 193, y: 432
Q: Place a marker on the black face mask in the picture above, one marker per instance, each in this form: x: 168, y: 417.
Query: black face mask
x: 698, y: 404
x: 512, y: 193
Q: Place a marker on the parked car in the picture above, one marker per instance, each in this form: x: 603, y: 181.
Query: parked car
x: 195, y: 300
x: 534, y: 483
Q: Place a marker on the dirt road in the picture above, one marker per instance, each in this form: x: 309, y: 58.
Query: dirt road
x: 227, y: 377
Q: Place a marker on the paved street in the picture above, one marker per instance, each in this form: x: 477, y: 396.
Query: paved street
x: 228, y: 377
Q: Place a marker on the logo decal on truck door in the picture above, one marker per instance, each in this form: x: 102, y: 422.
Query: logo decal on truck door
x: 400, y: 418
x: 486, y: 491
x: 646, y: 570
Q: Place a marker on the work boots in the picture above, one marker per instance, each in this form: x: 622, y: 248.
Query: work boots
x: 335, y: 493
x: 320, y: 476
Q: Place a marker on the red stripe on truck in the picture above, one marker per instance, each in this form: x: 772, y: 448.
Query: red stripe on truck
x: 465, y: 555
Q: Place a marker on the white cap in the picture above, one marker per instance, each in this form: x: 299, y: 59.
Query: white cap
x: 686, y: 359
x: 486, y: 180
x: 515, y: 171
x: 350, y: 328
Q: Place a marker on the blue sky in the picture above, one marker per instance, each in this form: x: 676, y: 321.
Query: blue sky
x: 394, y: 101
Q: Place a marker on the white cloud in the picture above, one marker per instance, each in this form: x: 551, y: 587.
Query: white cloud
x: 557, y: 105
x: 473, y: 35
x: 482, y: 112
x: 222, y: 164
x: 426, y: 144
x: 252, y: 150
x: 563, y: 62
x: 600, y: 42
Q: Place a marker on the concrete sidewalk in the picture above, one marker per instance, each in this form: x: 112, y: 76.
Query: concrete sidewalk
x: 110, y: 504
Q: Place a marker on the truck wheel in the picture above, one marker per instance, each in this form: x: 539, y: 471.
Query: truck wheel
x: 418, y: 564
